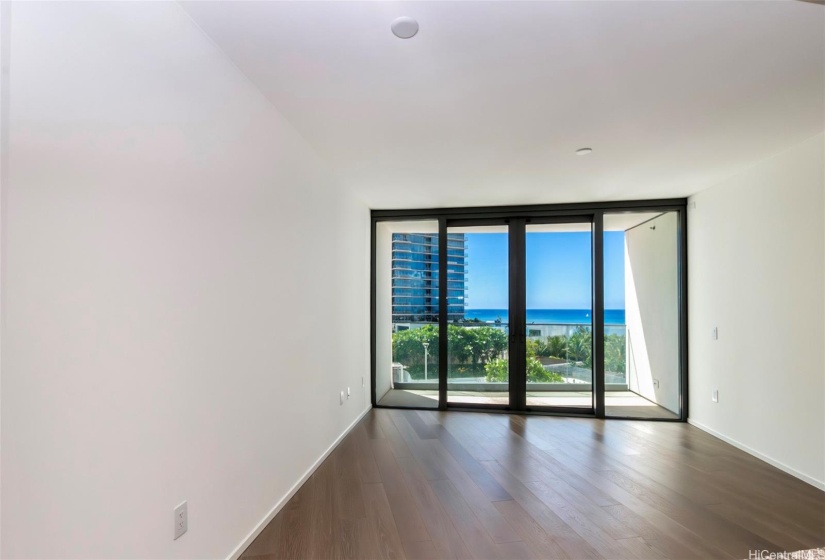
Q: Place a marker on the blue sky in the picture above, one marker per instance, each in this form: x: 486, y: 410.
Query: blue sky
x: 558, y: 270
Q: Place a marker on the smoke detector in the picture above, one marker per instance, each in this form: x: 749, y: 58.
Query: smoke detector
x: 404, y: 27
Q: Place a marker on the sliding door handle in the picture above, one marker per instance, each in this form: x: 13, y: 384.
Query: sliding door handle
x: 516, y: 337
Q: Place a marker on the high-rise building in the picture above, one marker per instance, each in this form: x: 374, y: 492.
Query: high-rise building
x: 415, y: 277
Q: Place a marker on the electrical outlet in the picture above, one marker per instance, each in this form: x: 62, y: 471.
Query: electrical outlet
x: 714, y: 334
x: 714, y: 396
x: 348, y: 392
x: 181, y: 520
x: 342, y: 397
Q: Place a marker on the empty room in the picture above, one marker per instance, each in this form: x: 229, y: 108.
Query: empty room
x: 412, y: 280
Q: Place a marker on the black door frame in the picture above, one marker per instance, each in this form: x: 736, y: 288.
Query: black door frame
x: 443, y: 349
x: 596, y: 340
x: 540, y: 213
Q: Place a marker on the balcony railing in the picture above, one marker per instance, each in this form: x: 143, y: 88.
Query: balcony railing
x: 559, y: 355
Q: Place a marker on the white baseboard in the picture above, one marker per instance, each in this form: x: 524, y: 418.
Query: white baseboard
x: 283, y: 501
x: 771, y: 461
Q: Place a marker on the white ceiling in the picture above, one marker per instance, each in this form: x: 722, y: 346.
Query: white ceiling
x: 488, y: 103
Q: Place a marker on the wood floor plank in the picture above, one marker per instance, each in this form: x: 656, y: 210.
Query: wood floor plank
x: 391, y: 434
x: 556, y: 528
x: 594, y: 531
x: 296, y: 540
x: 482, y: 506
x: 421, y: 550
x: 727, y: 536
x: 779, y: 531
x: 563, y: 493
x: 346, y: 487
x: 459, y: 485
x: 478, y: 541
x: 446, y: 540
x: 367, y: 468
x: 383, y: 531
x: 270, y: 538
x: 424, y: 431
x: 402, y: 505
x: 637, y: 507
x: 323, y: 525
x: 423, y: 450
x: 473, y: 468
x: 371, y: 426
x: 540, y: 543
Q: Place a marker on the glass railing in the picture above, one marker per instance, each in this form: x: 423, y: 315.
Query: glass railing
x: 559, y: 353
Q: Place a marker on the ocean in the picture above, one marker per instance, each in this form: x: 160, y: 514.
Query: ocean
x: 548, y: 316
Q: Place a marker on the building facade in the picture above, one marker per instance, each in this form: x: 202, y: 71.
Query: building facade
x: 415, y: 277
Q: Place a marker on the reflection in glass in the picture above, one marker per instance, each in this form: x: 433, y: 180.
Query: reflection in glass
x: 478, y: 365
x: 407, y: 314
x: 559, y: 320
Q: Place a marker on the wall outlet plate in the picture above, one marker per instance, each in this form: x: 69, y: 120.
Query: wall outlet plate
x: 181, y: 520
x: 714, y: 334
x: 714, y: 396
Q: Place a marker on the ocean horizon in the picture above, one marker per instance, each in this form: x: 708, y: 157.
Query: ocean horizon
x: 548, y: 316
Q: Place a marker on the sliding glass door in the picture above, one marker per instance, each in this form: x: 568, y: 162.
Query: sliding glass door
x: 478, y: 334
x: 558, y: 322
x: 572, y: 309
x: 520, y: 314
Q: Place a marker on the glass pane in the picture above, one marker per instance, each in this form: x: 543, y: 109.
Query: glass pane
x: 559, y: 320
x: 478, y: 334
x: 407, y: 314
x: 641, y: 344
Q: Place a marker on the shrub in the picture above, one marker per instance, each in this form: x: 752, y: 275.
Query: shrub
x: 498, y: 371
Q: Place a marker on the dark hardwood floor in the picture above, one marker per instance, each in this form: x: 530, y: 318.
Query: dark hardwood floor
x: 428, y: 484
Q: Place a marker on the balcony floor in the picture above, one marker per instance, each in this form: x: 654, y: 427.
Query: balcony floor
x: 625, y: 404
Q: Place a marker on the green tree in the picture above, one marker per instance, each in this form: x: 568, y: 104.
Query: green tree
x: 488, y: 344
x: 469, y: 348
x: 498, y: 370
x: 408, y: 346
x: 557, y: 346
x: 537, y: 347
x: 614, y: 353
x: 580, y: 345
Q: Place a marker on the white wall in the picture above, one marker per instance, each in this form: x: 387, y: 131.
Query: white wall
x: 184, y: 291
x: 652, y: 309
x: 756, y: 250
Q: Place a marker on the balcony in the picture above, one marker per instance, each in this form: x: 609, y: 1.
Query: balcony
x: 559, y: 367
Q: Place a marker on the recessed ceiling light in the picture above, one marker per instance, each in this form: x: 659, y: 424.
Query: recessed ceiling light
x: 583, y: 151
x: 404, y: 27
